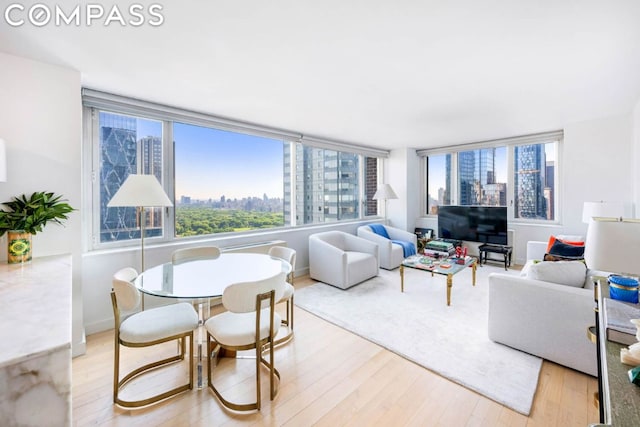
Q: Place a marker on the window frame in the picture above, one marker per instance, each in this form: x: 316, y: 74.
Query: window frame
x: 95, y: 101
x: 555, y: 137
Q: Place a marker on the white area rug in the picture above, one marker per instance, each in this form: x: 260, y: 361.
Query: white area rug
x: 417, y: 324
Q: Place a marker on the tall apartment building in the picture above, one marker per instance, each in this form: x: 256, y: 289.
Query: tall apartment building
x: 477, y: 176
x: 326, y: 184
x: 530, y: 172
x: 122, y: 153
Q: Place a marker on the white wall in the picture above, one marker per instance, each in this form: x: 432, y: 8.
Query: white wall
x: 636, y: 158
x: 402, y: 172
x: 40, y: 120
x: 597, y: 163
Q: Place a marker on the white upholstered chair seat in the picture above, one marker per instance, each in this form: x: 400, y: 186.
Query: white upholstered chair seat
x: 239, y: 329
x: 152, y: 325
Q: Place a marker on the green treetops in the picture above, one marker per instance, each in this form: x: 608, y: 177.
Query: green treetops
x: 33, y: 213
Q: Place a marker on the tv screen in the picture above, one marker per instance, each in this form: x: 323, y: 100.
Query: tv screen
x: 484, y: 224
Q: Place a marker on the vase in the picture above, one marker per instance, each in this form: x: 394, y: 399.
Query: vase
x: 19, y: 246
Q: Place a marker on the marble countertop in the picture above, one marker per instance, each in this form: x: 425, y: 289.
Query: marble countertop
x: 35, y: 308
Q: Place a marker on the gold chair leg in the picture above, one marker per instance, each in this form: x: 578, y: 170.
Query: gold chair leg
x: 119, y: 383
x: 258, y: 360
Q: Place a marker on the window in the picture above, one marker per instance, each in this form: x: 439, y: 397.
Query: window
x: 439, y: 182
x: 485, y: 177
x: 226, y: 181
x: 534, y: 181
x: 223, y: 176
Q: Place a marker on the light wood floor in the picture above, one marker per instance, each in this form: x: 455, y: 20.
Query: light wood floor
x: 330, y: 377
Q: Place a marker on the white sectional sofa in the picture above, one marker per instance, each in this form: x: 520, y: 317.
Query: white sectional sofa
x: 542, y: 318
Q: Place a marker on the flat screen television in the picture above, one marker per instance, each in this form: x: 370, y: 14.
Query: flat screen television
x: 484, y: 224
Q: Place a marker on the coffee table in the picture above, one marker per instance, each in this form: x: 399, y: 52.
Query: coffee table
x: 445, y: 267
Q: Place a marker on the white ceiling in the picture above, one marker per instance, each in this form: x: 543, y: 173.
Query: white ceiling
x: 379, y: 73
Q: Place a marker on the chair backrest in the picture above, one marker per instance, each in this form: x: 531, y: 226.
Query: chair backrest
x: 284, y: 253
x: 334, y: 238
x: 241, y: 297
x: 194, y: 254
x: 127, y: 295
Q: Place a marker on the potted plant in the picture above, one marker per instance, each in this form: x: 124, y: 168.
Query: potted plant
x: 24, y: 216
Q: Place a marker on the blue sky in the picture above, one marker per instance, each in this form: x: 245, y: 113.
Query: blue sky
x: 210, y: 163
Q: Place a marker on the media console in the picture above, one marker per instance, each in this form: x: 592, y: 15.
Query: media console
x: 504, y: 250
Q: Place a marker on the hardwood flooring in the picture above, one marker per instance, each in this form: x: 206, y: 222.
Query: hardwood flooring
x: 330, y: 377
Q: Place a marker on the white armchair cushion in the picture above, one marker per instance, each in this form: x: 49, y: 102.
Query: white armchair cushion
x: 157, y: 323
x: 570, y: 273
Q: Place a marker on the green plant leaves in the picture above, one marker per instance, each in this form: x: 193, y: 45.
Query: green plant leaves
x: 32, y: 213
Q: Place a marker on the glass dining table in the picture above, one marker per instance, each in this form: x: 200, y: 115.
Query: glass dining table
x: 201, y: 280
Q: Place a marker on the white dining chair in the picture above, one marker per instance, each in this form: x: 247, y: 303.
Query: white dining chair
x: 154, y: 326
x: 198, y: 253
x: 251, y: 322
x: 288, y: 255
x: 193, y: 254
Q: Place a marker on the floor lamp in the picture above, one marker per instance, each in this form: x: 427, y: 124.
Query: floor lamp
x: 140, y: 191
x: 385, y: 192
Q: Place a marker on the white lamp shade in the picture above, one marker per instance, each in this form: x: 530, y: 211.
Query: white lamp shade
x: 613, y: 246
x: 3, y: 161
x: 385, y: 192
x: 140, y: 190
x: 602, y: 209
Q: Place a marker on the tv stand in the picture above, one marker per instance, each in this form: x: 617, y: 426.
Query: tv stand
x: 504, y: 250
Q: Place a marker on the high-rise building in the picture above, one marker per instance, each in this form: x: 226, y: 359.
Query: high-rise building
x: 326, y: 185
x: 476, y: 169
x: 530, y: 172
x: 124, y: 154
x: 119, y: 159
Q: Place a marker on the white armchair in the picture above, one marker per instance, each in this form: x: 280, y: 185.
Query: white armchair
x: 391, y: 254
x: 341, y: 259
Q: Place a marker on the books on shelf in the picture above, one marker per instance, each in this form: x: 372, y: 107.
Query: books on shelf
x: 617, y: 321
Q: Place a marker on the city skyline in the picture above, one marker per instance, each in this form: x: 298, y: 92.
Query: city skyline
x: 206, y: 157
x: 437, y: 169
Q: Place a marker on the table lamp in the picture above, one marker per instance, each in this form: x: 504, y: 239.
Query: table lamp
x: 602, y: 209
x: 385, y: 192
x: 613, y: 245
x: 140, y: 191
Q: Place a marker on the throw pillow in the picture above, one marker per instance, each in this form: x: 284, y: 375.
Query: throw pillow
x: 563, y: 249
x: 553, y: 239
x: 569, y: 273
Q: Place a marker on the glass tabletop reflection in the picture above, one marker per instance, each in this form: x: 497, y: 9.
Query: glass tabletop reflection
x: 208, y: 278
